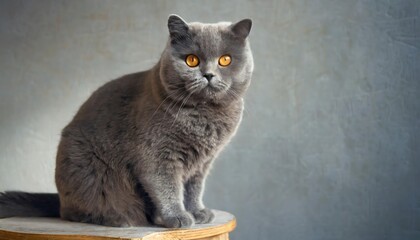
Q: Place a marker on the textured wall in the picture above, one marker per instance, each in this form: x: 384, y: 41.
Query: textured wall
x: 329, y: 147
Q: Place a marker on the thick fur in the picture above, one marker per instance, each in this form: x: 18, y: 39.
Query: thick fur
x: 139, y: 149
x: 20, y: 204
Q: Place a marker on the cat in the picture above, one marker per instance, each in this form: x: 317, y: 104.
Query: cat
x: 139, y: 149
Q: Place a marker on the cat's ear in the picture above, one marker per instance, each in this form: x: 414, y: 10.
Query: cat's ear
x: 242, y: 28
x: 177, y: 26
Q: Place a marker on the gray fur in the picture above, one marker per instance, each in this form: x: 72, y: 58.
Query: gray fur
x: 20, y: 204
x: 139, y: 149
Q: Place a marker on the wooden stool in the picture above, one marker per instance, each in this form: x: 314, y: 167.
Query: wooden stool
x: 57, y: 229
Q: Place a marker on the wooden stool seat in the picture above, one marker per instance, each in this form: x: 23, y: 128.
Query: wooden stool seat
x: 54, y: 228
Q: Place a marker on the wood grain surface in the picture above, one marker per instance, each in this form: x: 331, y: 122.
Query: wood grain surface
x: 57, y: 229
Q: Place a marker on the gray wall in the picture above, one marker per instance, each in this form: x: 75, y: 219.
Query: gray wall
x: 329, y: 147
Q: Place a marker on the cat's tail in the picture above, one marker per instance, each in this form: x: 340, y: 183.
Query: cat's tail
x: 22, y: 204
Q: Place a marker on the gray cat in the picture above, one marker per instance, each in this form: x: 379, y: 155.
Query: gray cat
x: 139, y: 149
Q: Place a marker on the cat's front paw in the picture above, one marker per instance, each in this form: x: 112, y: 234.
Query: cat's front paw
x: 177, y: 220
x: 203, y: 215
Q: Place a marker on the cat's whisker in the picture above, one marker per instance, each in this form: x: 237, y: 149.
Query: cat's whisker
x: 175, y: 87
x: 236, y: 95
x: 233, y: 93
x: 182, y: 104
x: 192, y: 86
x: 170, y: 95
x: 175, y: 102
x: 180, y: 107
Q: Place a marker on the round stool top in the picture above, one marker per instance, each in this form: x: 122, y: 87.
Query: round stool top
x: 55, y: 228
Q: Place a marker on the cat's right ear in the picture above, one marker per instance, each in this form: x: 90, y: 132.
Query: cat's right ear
x: 177, y: 27
x: 242, y: 28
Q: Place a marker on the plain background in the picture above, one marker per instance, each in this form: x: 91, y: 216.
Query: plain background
x: 329, y: 147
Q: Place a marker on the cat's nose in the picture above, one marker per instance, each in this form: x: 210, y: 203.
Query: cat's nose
x: 208, y: 76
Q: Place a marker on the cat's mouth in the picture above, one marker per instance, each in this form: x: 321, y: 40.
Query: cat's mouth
x: 207, y: 89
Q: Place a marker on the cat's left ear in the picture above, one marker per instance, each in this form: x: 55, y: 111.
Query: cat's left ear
x: 242, y: 28
x: 177, y: 26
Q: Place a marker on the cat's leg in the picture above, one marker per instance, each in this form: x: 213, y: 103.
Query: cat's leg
x: 193, y: 195
x: 164, y: 186
x: 92, y: 192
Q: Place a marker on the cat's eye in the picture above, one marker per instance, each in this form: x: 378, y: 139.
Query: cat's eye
x: 192, y: 60
x: 225, y: 60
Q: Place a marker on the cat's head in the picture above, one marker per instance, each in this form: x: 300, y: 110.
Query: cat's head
x: 207, y: 62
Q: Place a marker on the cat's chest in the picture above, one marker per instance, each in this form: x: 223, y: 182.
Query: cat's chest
x: 208, y: 127
x: 192, y: 135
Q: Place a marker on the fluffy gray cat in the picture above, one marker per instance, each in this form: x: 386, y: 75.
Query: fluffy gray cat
x: 139, y: 149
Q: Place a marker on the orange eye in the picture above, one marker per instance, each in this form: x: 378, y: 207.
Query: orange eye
x: 192, y: 60
x: 225, y: 60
